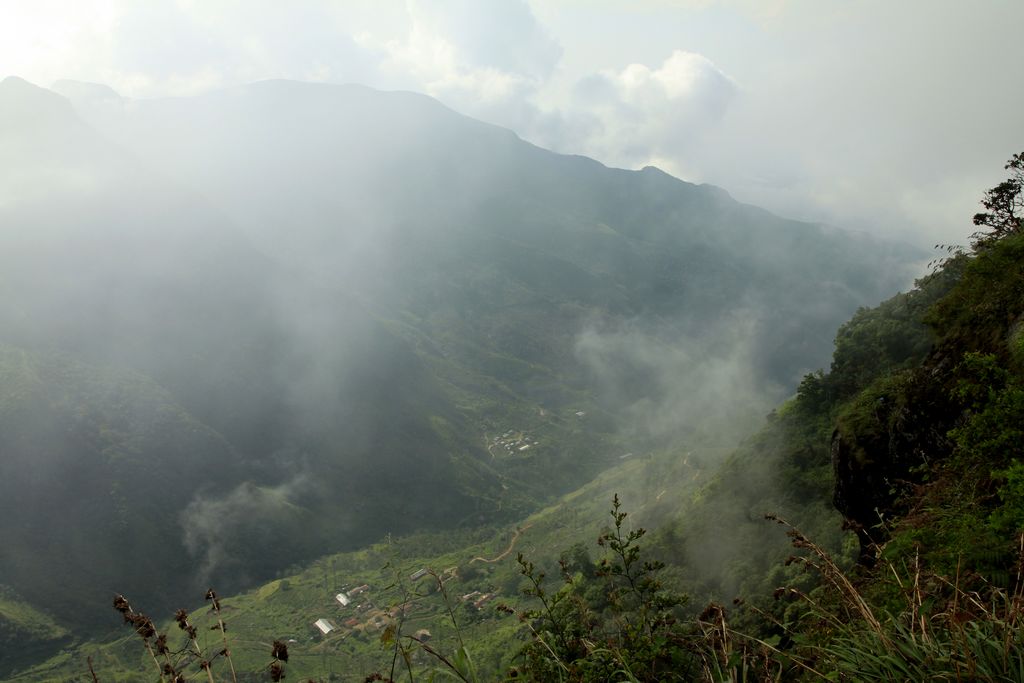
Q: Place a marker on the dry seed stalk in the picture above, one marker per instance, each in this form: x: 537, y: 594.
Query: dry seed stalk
x: 211, y: 595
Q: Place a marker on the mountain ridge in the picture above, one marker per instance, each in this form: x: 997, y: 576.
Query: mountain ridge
x: 360, y: 300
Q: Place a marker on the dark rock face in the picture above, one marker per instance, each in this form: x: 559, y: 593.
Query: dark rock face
x: 880, y: 445
x: 857, y: 492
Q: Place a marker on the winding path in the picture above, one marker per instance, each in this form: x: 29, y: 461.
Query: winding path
x: 511, y: 545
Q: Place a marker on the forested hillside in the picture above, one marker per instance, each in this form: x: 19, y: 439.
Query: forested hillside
x: 871, y: 530
x: 246, y: 329
x: 915, y: 437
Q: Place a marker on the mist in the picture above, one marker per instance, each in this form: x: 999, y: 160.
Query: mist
x: 280, y: 282
x: 700, y: 387
x: 762, y: 99
x: 380, y: 284
x: 252, y: 315
x: 245, y: 521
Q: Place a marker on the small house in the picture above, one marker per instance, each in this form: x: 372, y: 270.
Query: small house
x: 324, y: 626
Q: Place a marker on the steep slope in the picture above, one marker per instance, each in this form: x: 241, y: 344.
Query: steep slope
x: 915, y: 436
x: 97, y: 465
x: 467, y: 233
x: 477, y: 563
x: 711, y: 529
x: 935, y: 430
x: 383, y: 315
x: 105, y: 269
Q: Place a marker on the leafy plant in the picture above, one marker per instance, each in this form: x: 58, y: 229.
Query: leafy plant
x: 622, y: 624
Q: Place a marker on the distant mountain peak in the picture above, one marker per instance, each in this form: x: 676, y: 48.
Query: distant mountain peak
x: 15, y: 86
x: 25, y: 104
x: 653, y: 169
x: 14, y: 82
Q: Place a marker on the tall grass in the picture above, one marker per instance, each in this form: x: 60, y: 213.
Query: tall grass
x: 937, y: 631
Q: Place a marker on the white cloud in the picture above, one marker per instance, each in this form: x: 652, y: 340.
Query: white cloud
x: 873, y: 114
x: 643, y: 114
x: 49, y: 37
x: 485, y: 59
x: 499, y: 36
x: 181, y: 47
x: 490, y: 60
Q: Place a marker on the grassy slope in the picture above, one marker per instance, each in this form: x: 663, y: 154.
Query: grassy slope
x: 683, y: 494
x: 27, y: 633
x: 784, y: 468
x: 655, y: 487
x: 557, y: 243
x: 102, y: 429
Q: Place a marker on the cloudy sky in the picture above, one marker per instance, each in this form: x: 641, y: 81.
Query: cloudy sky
x: 889, y: 116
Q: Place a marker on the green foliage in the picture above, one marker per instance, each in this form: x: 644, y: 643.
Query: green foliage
x: 980, y: 378
x: 925, y: 389
x: 950, y: 421
x: 621, y: 624
x: 924, y: 399
x: 986, y: 649
x: 876, y: 342
x: 1009, y: 515
x: 951, y: 534
x: 904, y: 621
x: 312, y: 390
x: 891, y: 337
x: 26, y: 632
x: 875, y: 413
x: 1004, y: 204
x: 993, y: 429
x: 981, y: 312
x: 990, y: 436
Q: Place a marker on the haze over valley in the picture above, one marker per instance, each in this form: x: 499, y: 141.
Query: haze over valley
x: 311, y: 293
x: 261, y: 334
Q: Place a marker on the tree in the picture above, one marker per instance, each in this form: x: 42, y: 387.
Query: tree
x: 1004, y: 204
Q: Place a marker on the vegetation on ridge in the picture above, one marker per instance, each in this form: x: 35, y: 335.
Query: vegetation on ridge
x: 914, y: 436
x: 324, y: 337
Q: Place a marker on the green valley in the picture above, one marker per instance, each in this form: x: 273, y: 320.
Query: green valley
x: 445, y: 348
x: 911, y: 440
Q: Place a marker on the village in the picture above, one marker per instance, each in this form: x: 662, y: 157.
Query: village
x: 359, y: 614
x: 512, y: 442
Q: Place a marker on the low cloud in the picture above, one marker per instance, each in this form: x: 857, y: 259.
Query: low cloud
x: 667, y: 385
x: 488, y: 60
x: 503, y: 37
x: 248, y: 521
x: 643, y: 115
